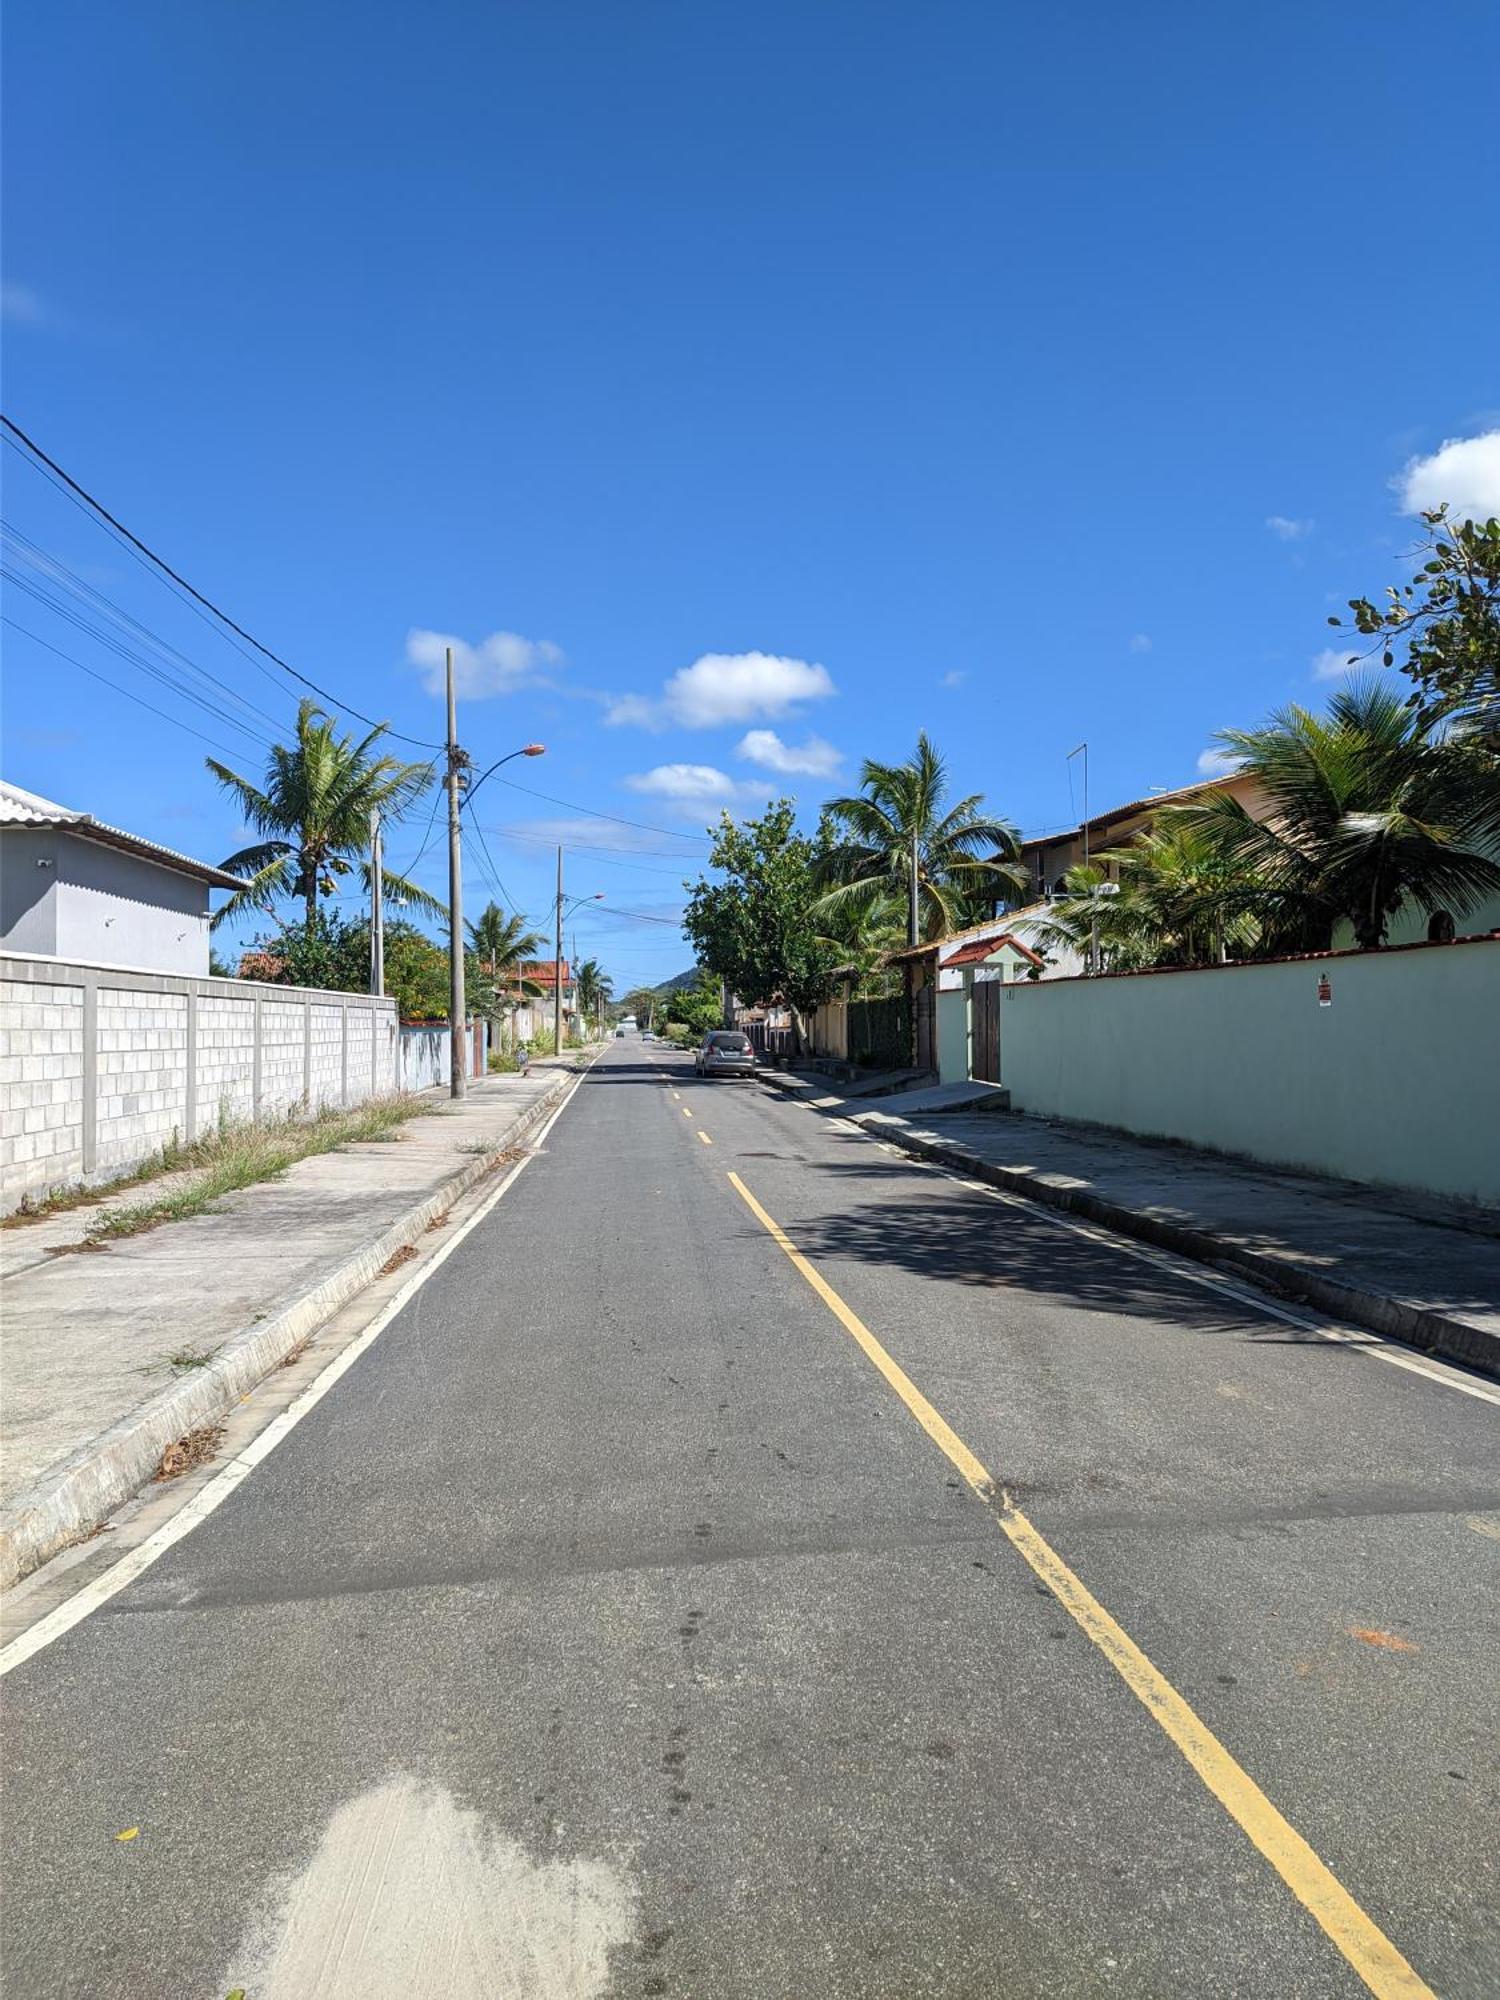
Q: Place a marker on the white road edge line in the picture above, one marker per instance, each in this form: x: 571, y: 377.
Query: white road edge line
x: 1362, y: 1341
x: 63, y: 1617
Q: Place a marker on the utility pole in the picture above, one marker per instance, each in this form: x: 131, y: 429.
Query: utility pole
x: 557, y: 1039
x: 377, y: 909
x: 911, y: 915
x: 1083, y: 751
x: 456, y: 761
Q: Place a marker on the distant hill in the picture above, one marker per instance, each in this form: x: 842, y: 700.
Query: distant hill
x: 676, y: 984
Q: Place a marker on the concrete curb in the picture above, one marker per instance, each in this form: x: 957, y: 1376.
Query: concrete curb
x: 84, y: 1489
x: 1434, y: 1332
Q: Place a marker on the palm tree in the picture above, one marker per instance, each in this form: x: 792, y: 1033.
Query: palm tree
x: 502, y: 944
x: 1371, y: 805
x: 1095, y: 915
x: 314, y: 810
x: 594, y: 987
x: 499, y: 947
x: 962, y: 856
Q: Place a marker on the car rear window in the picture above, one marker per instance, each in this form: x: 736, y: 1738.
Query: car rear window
x: 726, y: 1041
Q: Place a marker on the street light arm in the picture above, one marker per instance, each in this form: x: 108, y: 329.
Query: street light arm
x: 526, y: 750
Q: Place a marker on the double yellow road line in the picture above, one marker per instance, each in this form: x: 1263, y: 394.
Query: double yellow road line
x: 1366, y: 1947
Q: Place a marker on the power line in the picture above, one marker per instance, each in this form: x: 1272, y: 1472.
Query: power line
x: 77, y: 587
x: 437, y: 798
x: 98, y: 508
x: 640, y: 917
x: 492, y: 871
x: 139, y: 700
x: 643, y: 826
x: 605, y: 856
x: 165, y: 679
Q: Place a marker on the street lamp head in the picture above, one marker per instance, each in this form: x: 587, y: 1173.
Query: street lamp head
x: 534, y: 750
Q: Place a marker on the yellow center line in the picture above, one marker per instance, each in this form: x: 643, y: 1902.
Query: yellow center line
x: 1366, y: 1947
x: 704, y: 1137
x: 687, y: 1110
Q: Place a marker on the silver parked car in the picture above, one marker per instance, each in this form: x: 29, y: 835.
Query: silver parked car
x: 725, y: 1052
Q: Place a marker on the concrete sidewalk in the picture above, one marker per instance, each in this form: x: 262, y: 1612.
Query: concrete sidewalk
x: 1417, y: 1270
x: 111, y: 1355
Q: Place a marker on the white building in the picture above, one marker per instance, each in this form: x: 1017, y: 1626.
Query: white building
x: 73, y: 888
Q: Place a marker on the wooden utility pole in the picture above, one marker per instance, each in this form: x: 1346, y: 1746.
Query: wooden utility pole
x: 456, y: 1034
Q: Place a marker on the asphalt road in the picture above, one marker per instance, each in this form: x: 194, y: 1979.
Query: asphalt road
x: 614, y: 1627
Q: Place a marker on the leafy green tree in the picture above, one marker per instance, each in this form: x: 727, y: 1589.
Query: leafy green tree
x: 698, y: 1008
x: 642, y: 1002
x: 1449, y: 619
x: 1369, y: 806
x: 334, y: 952
x: 313, y: 810
x: 966, y: 860
x: 757, y: 926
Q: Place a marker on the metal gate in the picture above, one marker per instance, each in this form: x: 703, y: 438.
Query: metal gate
x: 923, y: 1010
x: 984, y: 1028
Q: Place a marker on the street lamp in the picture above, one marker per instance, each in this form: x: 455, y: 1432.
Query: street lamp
x: 562, y: 913
x: 457, y: 1006
x: 526, y: 750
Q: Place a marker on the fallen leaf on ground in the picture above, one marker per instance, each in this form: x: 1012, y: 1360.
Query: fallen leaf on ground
x: 1392, y: 1641
x: 129, y: 1833
x: 195, y: 1449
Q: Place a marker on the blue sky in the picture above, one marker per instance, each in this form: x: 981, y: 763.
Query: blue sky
x: 774, y: 381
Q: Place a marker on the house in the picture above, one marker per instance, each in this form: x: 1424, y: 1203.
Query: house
x: 1049, y: 856
x: 73, y: 888
x: 951, y: 988
x: 533, y: 1015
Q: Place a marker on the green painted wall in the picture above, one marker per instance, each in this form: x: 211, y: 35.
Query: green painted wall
x: 1397, y: 1081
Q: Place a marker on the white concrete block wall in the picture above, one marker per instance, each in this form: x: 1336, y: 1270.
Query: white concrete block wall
x: 327, y: 1080
x: 226, y: 1062
x: 283, y: 1030
x: 97, y: 1073
x: 142, y: 1074
x: 41, y: 1084
x: 362, y: 1052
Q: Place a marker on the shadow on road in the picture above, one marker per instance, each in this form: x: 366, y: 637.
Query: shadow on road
x: 934, y: 1229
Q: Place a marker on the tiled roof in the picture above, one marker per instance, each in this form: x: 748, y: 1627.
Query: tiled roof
x: 1177, y: 796
x: 543, y: 972
x: 983, y: 948
x: 20, y: 808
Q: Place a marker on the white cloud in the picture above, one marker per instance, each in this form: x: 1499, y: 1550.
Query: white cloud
x: 1463, y: 472
x: 1336, y: 661
x: 813, y: 758
x: 497, y: 665
x: 1140, y: 642
x: 953, y: 679
x: 726, y: 687
x: 21, y: 306
x: 685, y: 783
x: 1287, y: 529
x: 1217, y: 763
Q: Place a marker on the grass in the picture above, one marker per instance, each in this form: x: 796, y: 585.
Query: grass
x: 241, y: 1155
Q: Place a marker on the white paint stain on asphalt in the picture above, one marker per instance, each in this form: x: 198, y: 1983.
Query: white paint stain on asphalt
x: 410, y: 1893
